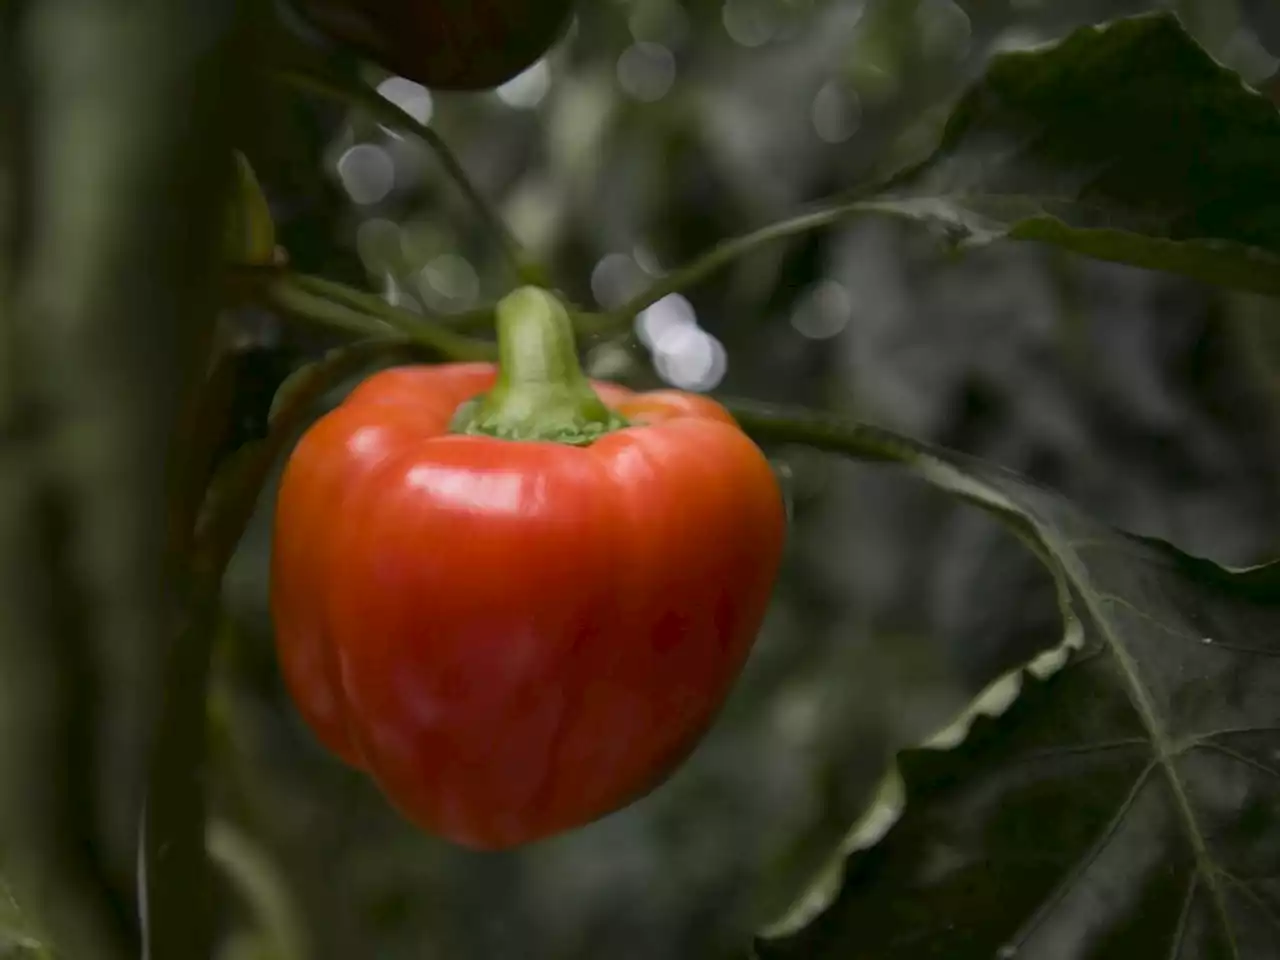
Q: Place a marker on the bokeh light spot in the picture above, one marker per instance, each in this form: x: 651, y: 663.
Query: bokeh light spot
x: 413, y: 98
x: 449, y: 282
x: 671, y: 312
x: 836, y: 113
x: 945, y: 30
x: 528, y: 89
x: 751, y: 23
x: 823, y: 311
x: 690, y: 358
x: 615, y: 278
x: 367, y: 173
x: 647, y: 71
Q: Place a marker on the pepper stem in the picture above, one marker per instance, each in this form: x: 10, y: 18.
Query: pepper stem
x: 541, y: 393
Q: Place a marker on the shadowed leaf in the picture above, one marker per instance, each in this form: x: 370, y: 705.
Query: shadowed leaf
x: 1124, y: 142
x: 1127, y: 806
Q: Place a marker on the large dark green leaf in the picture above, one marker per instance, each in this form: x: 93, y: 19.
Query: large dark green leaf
x: 1125, y: 142
x: 1127, y: 806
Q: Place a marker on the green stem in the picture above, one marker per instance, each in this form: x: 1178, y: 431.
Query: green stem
x: 822, y: 431
x: 726, y: 252
x: 358, y: 94
x: 411, y: 323
x: 293, y: 303
x: 341, y: 307
x: 541, y: 393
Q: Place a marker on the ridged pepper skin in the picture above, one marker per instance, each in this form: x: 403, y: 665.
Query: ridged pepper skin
x: 514, y: 638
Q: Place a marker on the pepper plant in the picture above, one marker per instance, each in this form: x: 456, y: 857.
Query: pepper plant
x: 613, y: 552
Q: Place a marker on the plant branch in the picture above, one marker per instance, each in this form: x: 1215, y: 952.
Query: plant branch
x: 822, y: 431
x: 584, y: 322
x: 358, y: 94
x: 341, y: 307
x: 833, y: 434
x: 726, y: 252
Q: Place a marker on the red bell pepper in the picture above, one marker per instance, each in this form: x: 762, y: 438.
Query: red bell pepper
x: 517, y: 601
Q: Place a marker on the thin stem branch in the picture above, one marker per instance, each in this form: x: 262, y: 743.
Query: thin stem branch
x: 585, y: 322
x: 328, y: 303
x: 822, y: 431
x: 942, y: 468
x: 389, y: 113
x: 724, y: 253
x: 293, y: 303
x: 341, y: 307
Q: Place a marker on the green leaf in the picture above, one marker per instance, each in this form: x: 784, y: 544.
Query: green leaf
x: 1124, y: 142
x: 1127, y: 806
x: 250, y: 233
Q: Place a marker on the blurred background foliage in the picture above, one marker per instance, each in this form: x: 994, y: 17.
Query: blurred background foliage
x: 653, y: 130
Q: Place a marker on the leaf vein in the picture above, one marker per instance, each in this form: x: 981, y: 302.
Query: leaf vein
x: 1084, y: 748
x: 1082, y: 866
x: 1237, y: 756
x: 1207, y: 642
x: 1165, y: 753
x: 1231, y: 731
x: 1184, y: 915
x: 1248, y: 893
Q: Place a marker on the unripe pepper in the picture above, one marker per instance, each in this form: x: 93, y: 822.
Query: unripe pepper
x: 517, y: 601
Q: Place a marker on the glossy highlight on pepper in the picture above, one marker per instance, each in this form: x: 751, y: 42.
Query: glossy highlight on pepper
x: 514, y: 637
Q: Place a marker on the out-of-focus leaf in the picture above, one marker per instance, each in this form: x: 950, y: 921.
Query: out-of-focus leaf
x: 1129, y: 806
x: 16, y: 940
x: 1124, y: 142
x: 250, y: 232
x: 280, y: 934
